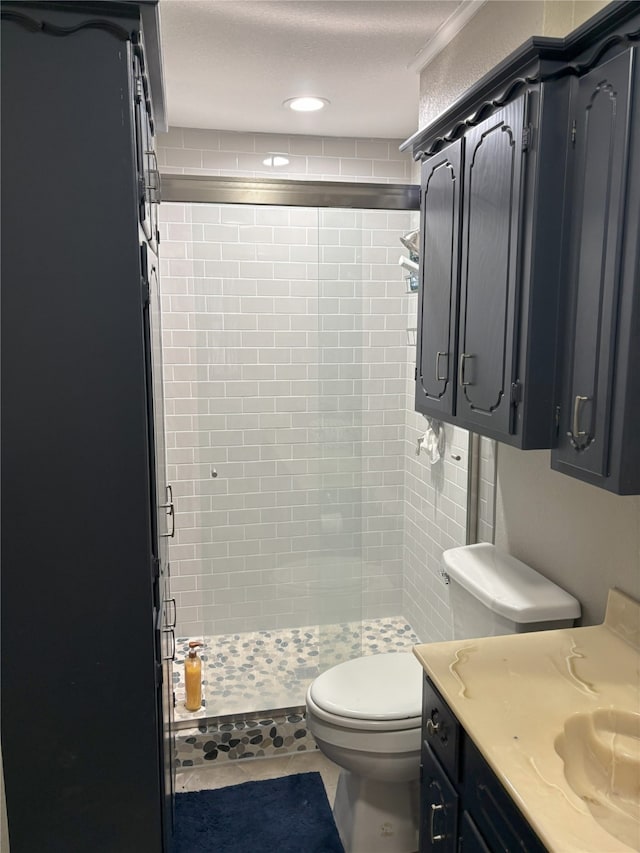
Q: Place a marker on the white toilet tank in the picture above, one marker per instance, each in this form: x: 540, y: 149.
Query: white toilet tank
x: 493, y: 593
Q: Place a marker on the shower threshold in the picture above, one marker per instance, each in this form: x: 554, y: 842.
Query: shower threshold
x: 263, y: 671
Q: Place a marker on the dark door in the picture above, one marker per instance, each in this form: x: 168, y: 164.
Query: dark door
x: 601, y: 113
x: 438, y: 294
x: 163, y: 527
x: 489, y: 276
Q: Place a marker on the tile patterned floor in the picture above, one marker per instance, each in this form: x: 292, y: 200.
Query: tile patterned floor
x: 268, y: 670
x: 235, y: 772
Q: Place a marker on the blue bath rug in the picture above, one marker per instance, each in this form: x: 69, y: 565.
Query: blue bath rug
x: 287, y: 815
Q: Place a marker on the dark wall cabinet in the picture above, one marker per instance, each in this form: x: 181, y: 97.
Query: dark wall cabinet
x: 463, y: 806
x: 599, y: 404
x: 528, y: 309
x: 490, y: 265
x: 86, y: 513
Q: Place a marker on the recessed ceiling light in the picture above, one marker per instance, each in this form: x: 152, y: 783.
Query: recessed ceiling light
x: 276, y: 160
x: 306, y: 104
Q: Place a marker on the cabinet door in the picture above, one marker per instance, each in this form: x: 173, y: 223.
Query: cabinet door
x: 438, y: 294
x: 470, y: 840
x: 489, y: 275
x: 438, y: 807
x: 596, y: 209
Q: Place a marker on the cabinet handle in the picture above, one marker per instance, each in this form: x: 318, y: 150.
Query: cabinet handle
x: 435, y: 808
x: 576, y: 433
x: 154, y: 177
x: 463, y: 356
x: 172, y: 656
x: 446, y: 376
x: 432, y: 728
x: 172, y: 622
x: 171, y: 513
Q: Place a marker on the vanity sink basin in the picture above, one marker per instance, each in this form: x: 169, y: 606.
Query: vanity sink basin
x: 601, y: 755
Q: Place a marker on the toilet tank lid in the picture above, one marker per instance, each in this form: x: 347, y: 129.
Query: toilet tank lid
x: 508, y: 586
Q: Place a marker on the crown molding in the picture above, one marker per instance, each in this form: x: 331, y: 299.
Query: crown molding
x: 447, y: 31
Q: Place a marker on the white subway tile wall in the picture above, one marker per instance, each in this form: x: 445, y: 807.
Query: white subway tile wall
x: 289, y: 344
x: 285, y: 398
x: 216, y: 152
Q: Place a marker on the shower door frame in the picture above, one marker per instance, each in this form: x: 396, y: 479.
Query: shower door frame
x: 288, y: 193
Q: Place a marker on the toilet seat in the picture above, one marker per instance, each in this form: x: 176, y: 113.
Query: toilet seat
x: 374, y: 693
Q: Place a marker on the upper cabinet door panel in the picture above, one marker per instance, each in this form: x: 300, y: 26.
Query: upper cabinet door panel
x: 599, y: 177
x: 438, y: 295
x: 486, y: 369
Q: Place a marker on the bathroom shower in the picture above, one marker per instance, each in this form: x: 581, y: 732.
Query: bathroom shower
x: 288, y: 371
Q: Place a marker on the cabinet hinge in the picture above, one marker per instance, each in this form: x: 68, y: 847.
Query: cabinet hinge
x: 158, y: 674
x: 557, y: 420
x: 174, y: 698
x: 573, y: 132
x: 527, y: 133
x: 146, y: 293
x: 516, y: 393
x: 415, y: 374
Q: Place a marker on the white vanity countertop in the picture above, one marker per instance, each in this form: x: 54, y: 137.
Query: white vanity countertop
x: 513, y: 695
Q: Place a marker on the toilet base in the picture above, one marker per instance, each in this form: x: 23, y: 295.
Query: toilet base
x: 376, y: 817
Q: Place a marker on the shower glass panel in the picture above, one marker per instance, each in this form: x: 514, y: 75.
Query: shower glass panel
x: 288, y: 359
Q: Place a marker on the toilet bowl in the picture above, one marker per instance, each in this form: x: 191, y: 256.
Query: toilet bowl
x: 365, y: 715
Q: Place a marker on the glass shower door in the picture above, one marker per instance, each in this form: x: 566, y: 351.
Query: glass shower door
x: 341, y: 377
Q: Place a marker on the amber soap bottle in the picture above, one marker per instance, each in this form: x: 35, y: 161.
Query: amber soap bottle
x: 193, y: 678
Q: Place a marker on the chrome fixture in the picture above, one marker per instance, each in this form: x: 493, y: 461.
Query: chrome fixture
x: 410, y: 241
x: 410, y: 264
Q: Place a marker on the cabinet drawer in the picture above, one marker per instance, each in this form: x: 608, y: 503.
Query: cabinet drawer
x: 438, y: 807
x: 441, y: 730
x: 497, y: 817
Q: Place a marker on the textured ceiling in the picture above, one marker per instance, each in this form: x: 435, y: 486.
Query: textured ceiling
x: 229, y: 64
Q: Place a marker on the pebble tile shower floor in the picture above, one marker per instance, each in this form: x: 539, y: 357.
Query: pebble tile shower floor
x: 254, y: 686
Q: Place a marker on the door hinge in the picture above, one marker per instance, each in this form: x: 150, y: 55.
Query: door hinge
x: 516, y: 393
x: 415, y: 374
x: 159, y: 677
x: 557, y: 420
x: 155, y: 568
x: 146, y: 293
x: 174, y: 698
x: 573, y: 132
x: 527, y: 133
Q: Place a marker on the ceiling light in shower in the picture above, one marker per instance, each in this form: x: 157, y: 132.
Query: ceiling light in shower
x: 307, y: 104
x: 276, y: 160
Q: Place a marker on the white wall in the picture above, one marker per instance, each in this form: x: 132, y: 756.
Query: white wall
x: 582, y: 537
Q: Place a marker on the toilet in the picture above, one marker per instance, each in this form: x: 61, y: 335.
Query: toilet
x: 365, y: 713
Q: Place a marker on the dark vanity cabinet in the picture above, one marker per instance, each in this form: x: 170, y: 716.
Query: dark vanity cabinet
x: 599, y: 400
x: 528, y: 307
x: 86, y: 513
x: 464, y: 808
